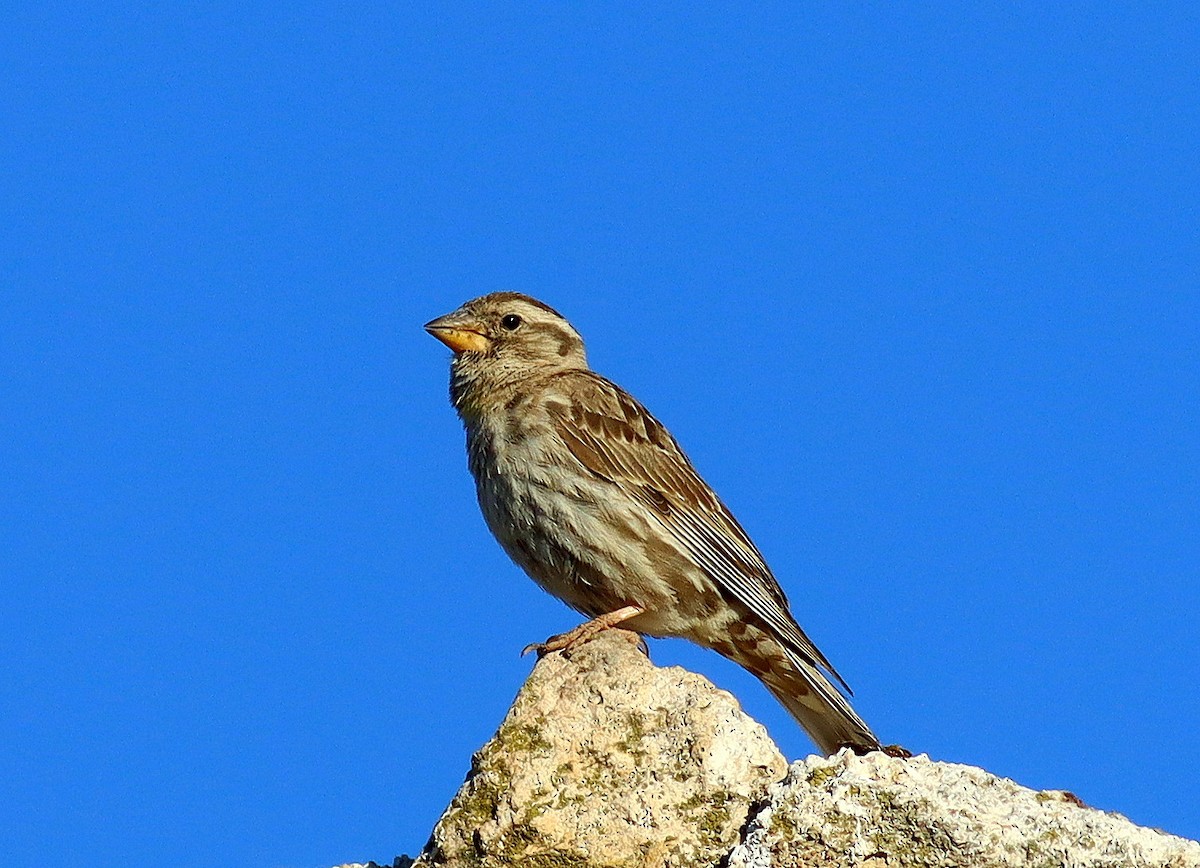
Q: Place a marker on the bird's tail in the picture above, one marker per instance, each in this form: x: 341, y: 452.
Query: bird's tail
x: 820, y: 708
x: 804, y: 690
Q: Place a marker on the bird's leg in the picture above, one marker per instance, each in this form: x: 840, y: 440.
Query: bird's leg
x: 585, y: 631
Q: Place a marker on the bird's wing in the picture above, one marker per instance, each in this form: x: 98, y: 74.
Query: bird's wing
x: 617, y: 439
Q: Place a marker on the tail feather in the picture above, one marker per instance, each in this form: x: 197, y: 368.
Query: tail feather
x: 800, y: 686
x: 817, y: 706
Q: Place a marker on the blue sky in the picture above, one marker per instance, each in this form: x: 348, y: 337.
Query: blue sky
x: 916, y: 288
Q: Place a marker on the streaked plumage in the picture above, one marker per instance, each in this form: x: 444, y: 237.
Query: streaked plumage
x: 595, y: 500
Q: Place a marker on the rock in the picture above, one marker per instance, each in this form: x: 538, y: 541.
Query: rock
x: 876, y: 811
x: 606, y: 759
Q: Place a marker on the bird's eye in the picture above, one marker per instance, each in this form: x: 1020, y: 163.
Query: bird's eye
x: 511, y: 322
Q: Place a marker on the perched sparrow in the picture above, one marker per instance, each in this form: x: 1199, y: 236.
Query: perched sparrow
x: 594, y: 499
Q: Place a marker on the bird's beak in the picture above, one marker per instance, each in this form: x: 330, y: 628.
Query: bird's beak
x: 459, y: 333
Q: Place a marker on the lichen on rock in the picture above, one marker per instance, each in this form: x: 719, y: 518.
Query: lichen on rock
x: 877, y: 810
x: 605, y: 759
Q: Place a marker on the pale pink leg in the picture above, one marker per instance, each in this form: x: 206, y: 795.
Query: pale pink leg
x: 585, y: 631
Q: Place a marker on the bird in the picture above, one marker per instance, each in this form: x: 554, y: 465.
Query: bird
x: 594, y: 499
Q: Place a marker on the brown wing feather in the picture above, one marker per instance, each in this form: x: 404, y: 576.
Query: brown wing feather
x: 617, y: 439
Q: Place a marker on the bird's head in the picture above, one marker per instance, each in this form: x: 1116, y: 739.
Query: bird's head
x: 499, y: 341
x: 510, y: 329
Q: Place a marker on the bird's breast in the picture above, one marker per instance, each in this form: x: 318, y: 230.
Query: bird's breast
x: 577, y: 535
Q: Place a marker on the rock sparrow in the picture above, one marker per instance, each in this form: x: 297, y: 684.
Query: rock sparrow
x: 594, y: 499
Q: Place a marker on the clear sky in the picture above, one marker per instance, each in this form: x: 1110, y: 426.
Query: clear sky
x: 916, y: 287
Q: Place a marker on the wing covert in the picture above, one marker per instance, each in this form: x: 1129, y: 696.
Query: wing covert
x: 616, y: 438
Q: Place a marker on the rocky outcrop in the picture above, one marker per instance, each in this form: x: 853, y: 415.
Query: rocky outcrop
x: 606, y: 760
x: 875, y: 811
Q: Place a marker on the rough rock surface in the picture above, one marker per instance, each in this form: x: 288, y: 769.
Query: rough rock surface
x: 879, y: 811
x: 606, y: 759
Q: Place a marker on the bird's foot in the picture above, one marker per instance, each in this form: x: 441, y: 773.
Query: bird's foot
x: 893, y: 750
x: 585, y: 632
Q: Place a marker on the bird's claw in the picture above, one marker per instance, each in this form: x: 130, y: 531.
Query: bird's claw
x: 540, y: 647
x: 585, y: 632
x: 562, y: 641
